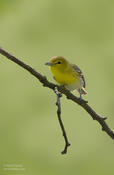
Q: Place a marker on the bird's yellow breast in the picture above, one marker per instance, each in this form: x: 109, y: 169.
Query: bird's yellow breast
x: 65, y: 77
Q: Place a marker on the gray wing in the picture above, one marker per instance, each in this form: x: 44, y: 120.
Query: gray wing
x: 77, y: 69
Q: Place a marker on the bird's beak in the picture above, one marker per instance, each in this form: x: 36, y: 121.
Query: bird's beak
x: 49, y: 64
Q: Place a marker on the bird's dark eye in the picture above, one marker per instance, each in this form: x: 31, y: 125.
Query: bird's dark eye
x: 58, y: 62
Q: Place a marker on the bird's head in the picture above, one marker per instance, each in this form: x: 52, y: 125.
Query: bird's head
x: 58, y: 63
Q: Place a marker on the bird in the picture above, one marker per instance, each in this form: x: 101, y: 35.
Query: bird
x: 68, y: 75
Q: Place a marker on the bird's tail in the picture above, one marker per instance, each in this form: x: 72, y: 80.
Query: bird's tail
x: 83, y: 91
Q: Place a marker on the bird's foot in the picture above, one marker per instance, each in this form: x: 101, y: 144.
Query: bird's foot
x: 82, y: 100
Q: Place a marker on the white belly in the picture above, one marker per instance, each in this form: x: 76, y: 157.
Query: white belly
x: 78, y: 85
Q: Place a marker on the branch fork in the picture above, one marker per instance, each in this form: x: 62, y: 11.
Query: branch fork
x: 58, y: 103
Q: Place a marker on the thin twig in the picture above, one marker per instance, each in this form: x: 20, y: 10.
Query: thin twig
x: 58, y: 103
x: 68, y: 94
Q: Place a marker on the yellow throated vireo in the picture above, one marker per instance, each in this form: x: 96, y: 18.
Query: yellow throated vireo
x: 67, y: 74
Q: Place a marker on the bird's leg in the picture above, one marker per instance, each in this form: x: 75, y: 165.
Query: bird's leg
x: 80, y: 92
x: 80, y: 98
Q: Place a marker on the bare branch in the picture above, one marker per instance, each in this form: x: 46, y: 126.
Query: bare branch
x: 58, y: 94
x: 68, y: 94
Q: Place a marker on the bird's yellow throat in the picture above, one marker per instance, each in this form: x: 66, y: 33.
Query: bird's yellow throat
x: 63, y: 77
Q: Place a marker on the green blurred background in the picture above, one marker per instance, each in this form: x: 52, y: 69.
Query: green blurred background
x: 30, y: 136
